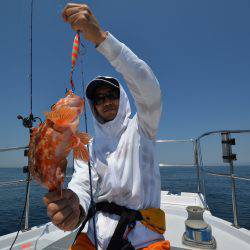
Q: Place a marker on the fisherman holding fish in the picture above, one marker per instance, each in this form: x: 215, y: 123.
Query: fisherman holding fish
x: 125, y: 174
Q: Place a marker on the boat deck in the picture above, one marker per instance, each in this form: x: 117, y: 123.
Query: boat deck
x: 227, y: 237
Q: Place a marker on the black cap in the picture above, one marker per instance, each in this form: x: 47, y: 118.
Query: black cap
x: 101, y: 81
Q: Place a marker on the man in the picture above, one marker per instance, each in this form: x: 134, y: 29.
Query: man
x: 124, y: 170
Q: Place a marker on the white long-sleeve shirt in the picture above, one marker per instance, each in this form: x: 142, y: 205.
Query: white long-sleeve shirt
x: 124, y: 169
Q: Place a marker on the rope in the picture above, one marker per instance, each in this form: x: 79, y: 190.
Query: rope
x: 92, y: 203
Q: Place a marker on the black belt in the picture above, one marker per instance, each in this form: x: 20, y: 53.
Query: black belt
x: 127, y: 217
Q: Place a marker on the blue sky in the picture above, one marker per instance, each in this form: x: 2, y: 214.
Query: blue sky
x: 199, y: 51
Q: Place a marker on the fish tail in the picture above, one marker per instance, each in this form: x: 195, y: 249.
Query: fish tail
x: 75, y: 141
x: 81, y: 152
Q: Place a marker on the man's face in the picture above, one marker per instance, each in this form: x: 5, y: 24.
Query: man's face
x: 106, y: 103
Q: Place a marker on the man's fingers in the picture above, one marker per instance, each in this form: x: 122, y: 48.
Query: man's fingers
x: 76, y: 25
x: 69, y: 223
x: 74, y: 9
x: 61, y: 216
x: 57, y: 206
x: 69, y: 12
x: 66, y: 11
x: 51, y: 197
x: 63, y: 209
x: 68, y: 193
x: 71, y: 19
x: 56, y: 196
x: 83, y: 15
x: 70, y: 5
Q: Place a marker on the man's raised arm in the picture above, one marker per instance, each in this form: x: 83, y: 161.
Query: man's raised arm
x: 138, y: 75
x: 141, y: 81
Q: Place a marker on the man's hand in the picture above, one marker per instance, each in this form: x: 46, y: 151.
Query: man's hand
x: 80, y: 17
x: 63, y: 210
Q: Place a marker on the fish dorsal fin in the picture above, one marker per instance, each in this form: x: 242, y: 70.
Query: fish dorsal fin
x: 81, y: 152
x: 61, y: 116
x: 84, y: 137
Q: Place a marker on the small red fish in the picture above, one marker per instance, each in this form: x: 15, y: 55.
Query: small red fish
x: 53, y: 140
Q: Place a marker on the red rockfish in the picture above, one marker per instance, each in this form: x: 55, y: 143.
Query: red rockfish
x: 52, y: 141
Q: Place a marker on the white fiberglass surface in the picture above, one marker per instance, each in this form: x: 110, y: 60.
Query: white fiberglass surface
x: 227, y: 237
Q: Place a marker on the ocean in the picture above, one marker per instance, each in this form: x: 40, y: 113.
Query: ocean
x: 174, y: 179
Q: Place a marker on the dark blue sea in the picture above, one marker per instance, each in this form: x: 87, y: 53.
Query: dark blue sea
x: 174, y: 179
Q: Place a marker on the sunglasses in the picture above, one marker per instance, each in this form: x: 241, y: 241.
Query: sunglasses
x: 100, y: 99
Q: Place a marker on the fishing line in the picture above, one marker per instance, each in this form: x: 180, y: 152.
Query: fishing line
x: 92, y: 203
x: 24, y: 208
x: 31, y: 87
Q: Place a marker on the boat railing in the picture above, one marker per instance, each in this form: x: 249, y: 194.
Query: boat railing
x: 228, y: 157
x: 227, y: 142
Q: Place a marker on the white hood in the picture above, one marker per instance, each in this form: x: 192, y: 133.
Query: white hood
x: 106, y: 134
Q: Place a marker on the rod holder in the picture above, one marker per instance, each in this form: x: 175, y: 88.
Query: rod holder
x: 227, y: 143
x: 25, y: 169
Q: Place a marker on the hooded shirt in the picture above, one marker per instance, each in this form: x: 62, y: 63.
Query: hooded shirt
x: 122, y: 153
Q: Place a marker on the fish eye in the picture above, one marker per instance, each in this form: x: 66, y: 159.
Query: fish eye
x: 52, y: 106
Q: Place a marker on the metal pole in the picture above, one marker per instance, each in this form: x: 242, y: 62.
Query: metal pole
x: 26, y: 223
x: 229, y: 157
x: 196, y: 163
x: 234, y: 201
x: 27, y: 205
x: 201, y: 172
